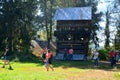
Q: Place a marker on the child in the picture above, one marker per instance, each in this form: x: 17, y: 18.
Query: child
x: 7, y: 59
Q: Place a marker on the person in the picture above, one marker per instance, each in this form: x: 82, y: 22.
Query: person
x: 116, y: 56
x: 65, y: 54
x: 44, y: 52
x: 112, y: 56
x: 71, y: 51
x: 7, y: 59
x: 95, y: 57
x: 49, y: 57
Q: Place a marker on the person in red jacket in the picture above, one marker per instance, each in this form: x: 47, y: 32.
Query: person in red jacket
x: 112, y: 56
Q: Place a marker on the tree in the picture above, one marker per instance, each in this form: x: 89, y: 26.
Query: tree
x: 107, y: 30
x: 117, y: 24
x: 112, y: 19
x: 17, y: 18
x: 96, y: 18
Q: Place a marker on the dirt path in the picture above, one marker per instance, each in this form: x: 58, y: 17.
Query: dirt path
x: 104, y: 72
x: 95, y: 75
x: 99, y: 73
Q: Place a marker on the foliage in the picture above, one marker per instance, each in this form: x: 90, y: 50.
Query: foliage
x: 16, y: 23
x: 43, y: 35
x: 117, y: 36
x: 117, y: 40
x: 104, y: 53
x: 96, y: 18
x: 112, y: 20
x: 25, y: 56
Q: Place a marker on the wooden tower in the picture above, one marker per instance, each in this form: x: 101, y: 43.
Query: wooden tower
x: 73, y: 30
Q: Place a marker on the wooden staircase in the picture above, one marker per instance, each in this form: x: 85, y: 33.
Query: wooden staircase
x: 37, y: 50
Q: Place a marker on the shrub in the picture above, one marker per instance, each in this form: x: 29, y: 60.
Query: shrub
x: 25, y: 56
x: 104, y: 53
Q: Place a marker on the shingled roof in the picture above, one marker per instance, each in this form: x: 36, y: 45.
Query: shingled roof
x: 76, y: 13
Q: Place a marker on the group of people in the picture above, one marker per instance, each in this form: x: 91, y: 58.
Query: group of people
x: 68, y: 54
x: 114, y: 57
x: 47, y: 58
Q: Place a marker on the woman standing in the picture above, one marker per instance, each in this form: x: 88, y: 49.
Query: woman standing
x: 44, y: 57
x: 96, y: 54
x: 112, y: 58
x: 49, y: 57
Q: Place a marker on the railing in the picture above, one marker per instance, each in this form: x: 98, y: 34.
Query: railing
x: 72, y: 42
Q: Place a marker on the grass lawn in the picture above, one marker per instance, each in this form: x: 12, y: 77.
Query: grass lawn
x: 64, y: 70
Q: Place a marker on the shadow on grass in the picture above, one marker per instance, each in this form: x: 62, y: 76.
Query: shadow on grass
x: 103, y: 65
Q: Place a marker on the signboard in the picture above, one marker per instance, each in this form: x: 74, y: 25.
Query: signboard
x: 78, y: 56
x: 59, y: 56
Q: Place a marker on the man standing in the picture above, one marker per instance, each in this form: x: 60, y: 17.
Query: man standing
x: 65, y: 54
x: 112, y: 56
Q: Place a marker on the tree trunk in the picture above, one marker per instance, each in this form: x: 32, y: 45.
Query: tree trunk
x: 107, y: 31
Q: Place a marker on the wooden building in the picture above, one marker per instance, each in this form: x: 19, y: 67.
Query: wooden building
x: 73, y: 27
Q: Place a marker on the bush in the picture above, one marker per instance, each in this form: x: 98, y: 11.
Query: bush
x: 104, y: 54
x: 25, y: 56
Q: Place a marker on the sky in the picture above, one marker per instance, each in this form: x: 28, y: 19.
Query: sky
x: 102, y: 6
